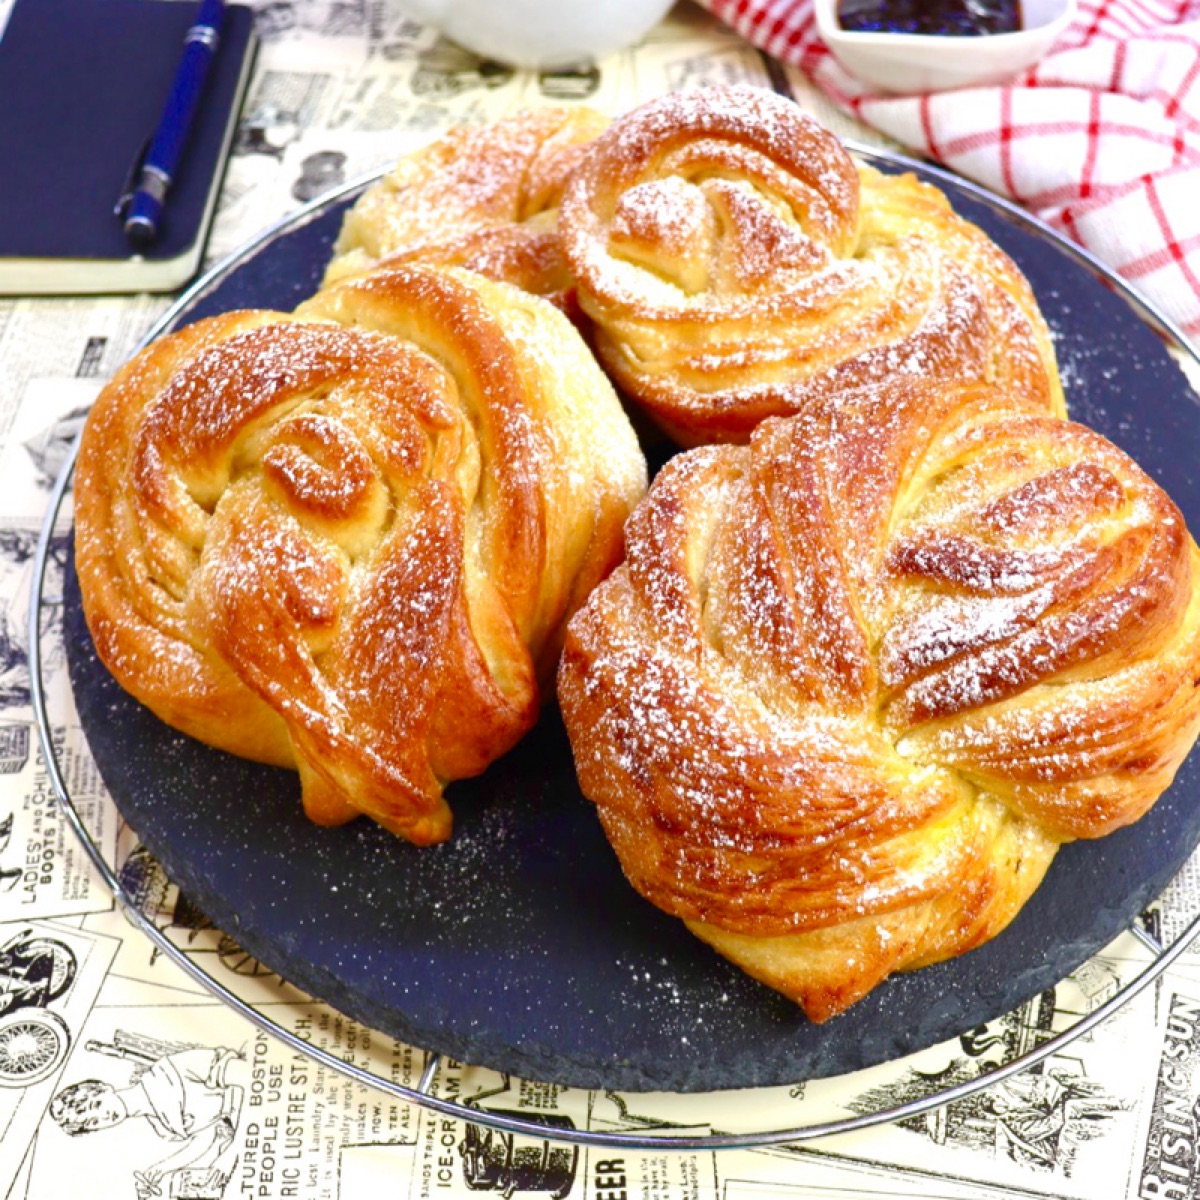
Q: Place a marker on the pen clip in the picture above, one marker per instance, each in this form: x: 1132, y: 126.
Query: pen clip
x: 131, y: 180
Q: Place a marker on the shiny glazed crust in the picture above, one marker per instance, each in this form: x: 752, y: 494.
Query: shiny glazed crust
x: 482, y: 198
x: 857, y: 680
x: 737, y: 263
x: 348, y: 540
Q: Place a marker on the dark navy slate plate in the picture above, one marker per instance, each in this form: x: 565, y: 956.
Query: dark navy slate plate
x: 518, y: 945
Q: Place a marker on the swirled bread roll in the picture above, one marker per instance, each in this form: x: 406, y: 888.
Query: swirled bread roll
x: 857, y: 680
x: 348, y: 540
x: 483, y: 198
x: 736, y: 263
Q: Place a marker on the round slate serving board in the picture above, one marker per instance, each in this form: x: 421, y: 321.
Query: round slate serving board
x: 518, y: 945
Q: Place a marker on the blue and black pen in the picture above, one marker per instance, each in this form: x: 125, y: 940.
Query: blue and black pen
x: 142, y: 206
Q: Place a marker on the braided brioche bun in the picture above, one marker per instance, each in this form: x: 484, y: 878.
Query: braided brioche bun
x: 348, y: 539
x: 858, y: 680
x: 737, y: 264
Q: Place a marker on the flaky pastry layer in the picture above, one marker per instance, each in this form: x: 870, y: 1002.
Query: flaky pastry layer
x: 348, y: 539
x: 857, y: 680
x: 737, y: 263
x: 484, y: 198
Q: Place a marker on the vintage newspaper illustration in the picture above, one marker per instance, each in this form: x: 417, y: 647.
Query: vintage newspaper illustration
x: 119, y: 1067
x: 50, y: 976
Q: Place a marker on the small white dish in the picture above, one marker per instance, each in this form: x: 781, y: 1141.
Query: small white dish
x: 920, y: 62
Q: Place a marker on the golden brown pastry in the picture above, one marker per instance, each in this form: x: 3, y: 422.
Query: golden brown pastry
x: 856, y: 681
x: 348, y: 540
x: 736, y: 263
x: 484, y: 198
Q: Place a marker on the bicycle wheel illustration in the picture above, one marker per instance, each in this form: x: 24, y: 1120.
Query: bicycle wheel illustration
x: 33, y: 1043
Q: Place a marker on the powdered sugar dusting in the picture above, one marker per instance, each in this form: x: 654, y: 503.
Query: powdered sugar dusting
x: 719, y: 243
x: 1019, y: 588
x: 360, y: 513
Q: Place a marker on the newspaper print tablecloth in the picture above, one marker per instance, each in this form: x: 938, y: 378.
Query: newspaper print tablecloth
x: 220, y: 1109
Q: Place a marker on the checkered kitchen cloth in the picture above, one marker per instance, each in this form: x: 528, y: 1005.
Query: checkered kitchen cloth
x: 1101, y: 139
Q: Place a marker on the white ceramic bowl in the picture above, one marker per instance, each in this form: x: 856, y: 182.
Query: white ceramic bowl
x: 919, y: 62
x: 540, y: 33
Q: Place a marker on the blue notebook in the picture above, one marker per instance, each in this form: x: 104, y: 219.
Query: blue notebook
x: 82, y: 86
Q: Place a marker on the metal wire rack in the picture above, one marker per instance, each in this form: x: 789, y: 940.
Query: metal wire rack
x: 424, y: 1092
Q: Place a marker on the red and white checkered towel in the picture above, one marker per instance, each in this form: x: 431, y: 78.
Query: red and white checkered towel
x: 1101, y: 139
